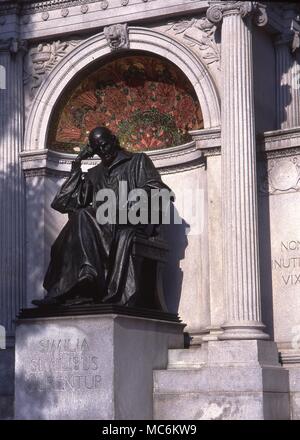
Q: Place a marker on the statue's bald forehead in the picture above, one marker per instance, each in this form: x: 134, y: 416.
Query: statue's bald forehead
x: 100, y: 133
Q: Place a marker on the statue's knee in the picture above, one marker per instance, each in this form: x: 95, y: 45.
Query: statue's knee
x: 80, y: 214
x: 83, y: 212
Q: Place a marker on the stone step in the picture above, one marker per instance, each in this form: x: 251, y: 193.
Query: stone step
x: 218, y: 392
x: 221, y: 378
x: 228, y: 380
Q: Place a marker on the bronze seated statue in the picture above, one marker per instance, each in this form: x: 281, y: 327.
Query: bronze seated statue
x: 111, y: 263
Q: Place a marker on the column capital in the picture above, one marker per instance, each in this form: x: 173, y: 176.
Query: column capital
x: 13, y: 45
x: 219, y: 9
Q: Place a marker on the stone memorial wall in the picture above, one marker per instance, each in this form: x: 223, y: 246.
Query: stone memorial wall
x: 236, y: 273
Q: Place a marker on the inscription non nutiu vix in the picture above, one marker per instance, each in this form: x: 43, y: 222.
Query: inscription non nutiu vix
x: 63, y: 365
x: 287, y: 263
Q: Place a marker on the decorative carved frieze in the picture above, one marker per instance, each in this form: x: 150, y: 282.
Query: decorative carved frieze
x: 117, y: 36
x: 46, y: 172
x: 41, y: 60
x: 289, y: 357
x: 200, y: 33
x: 39, y: 6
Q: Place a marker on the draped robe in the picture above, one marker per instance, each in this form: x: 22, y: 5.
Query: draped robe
x: 84, y: 247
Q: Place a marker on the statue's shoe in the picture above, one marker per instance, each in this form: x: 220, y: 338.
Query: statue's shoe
x: 79, y: 301
x: 46, y: 302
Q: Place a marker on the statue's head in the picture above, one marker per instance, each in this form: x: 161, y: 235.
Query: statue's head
x: 104, y: 144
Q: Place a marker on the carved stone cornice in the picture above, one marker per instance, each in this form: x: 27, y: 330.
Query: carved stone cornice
x: 13, y: 45
x: 219, y: 9
x: 279, y: 142
x: 169, y: 160
x: 289, y: 356
x: 33, y: 6
x: 38, y: 6
x: 208, y: 142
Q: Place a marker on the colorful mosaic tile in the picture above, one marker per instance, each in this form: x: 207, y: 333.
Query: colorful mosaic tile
x: 145, y: 100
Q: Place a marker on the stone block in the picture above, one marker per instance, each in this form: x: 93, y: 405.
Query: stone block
x: 193, y: 357
x: 239, y: 380
x: 90, y: 367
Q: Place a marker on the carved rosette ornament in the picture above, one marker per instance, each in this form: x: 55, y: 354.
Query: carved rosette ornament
x: 64, y: 12
x: 283, y: 175
x: 84, y: 9
x: 117, y: 36
x: 45, y: 15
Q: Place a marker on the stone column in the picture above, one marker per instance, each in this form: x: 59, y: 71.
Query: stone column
x: 288, y: 83
x: 239, y: 187
x: 11, y: 183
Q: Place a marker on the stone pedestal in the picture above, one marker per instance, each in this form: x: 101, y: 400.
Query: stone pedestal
x: 294, y: 375
x: 90, y: 367
x: 223, y: 380
x: 7, y: 358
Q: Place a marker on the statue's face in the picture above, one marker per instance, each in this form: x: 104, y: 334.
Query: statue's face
x: 104, y: 147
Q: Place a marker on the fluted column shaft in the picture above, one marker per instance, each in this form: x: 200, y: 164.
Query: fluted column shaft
x: 239, y: 193
x: 288, y: 85
x: 11, y: 183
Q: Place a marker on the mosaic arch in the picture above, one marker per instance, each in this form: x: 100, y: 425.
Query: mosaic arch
x: 144, y: 99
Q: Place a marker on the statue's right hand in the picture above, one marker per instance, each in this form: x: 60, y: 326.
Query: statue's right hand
x: 85, y: 153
